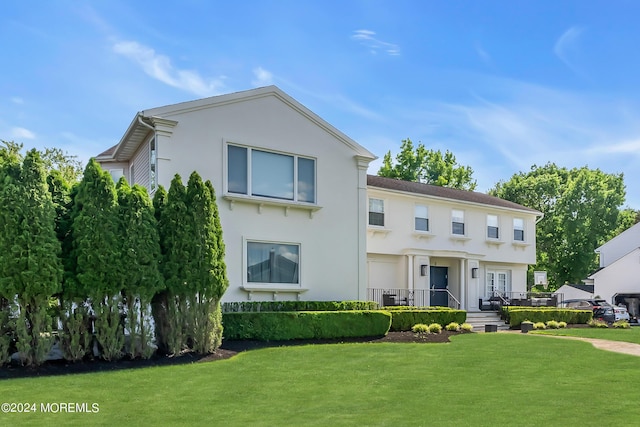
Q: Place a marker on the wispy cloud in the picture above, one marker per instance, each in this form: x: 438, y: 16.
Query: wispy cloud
x: 367, y: 38
x: 19, y: 133
x: 17, y: 100
x: 262, y: 77
x: 484, y: 56
x: 160, y: 68
x: 566, y: 45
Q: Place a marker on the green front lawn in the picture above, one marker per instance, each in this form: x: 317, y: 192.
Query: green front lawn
x: 631, y: 335
x: 477, y: 380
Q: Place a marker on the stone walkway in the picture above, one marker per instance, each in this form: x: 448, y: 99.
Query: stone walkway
x: 615, y: 346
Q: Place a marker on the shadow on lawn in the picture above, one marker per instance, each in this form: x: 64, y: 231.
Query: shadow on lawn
x: 228, y: 349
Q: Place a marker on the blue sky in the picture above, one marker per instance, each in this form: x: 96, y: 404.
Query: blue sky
x: 502, y: 84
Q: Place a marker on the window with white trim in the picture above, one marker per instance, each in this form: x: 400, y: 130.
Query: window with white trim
x: 421, y: 218
x: 153, y: 164
x: 518, y: 229
x: 273, y: 262
x: 261, y: 173
x: 457, y: 222
x: 376, y: 212
x: 493, y: 230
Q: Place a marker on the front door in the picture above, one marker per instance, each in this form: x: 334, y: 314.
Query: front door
x: 439, y: 285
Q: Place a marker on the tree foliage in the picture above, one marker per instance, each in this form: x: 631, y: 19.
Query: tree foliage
x: 581, y: 209
x: 427, y: 166
x: 30, y: 267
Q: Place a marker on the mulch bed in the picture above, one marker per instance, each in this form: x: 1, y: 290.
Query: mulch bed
x: 227, y: 350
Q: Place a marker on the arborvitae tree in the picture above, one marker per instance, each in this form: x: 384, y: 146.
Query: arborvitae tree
x: 160, y: 300
x: 175, y: 235
x: 201, y: 264
x: 141, y: 257
x: 96, y: 250
x: 30, y: 267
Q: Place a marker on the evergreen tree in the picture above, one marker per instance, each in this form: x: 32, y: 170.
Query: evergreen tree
x: 96, y: 252
x: 140, y: 262
x: 30, y: 269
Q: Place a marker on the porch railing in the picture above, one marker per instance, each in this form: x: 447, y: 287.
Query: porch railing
x: 528, y: 299
x: 410, y: 297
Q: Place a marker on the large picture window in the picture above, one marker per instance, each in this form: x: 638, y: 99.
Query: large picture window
x: 267, y: 174
x: 269, y: 262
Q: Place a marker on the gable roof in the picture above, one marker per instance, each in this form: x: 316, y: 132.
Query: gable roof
x: 144, y: 121
x: 445, y: 193
x: 582, y: 287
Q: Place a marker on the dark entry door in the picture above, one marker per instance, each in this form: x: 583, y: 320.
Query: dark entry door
x: 439, y: 284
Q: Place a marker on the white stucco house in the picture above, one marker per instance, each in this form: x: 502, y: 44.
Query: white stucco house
x: 291, y: 189
x: 617, y: 280
x: 433, y: 245
x: 301, y: 218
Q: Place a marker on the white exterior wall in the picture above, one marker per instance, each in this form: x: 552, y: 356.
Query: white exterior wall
x: 331, y: 267
x: 619, y: 246
x: 398, y: 241
x: 620, y: 277
x: 569, y: 292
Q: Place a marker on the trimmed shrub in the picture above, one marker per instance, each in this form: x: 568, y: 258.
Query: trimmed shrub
x: 260, y: 306
x: 552, y: 324
x: 539, y: 325
x: 453, y: 326
x: 621, y: 324
x: 291, y: 325
x: 467, y: 327
x: 420, y: 328
x: 562, y: 325
x: 435, y: 328
x: 597, y: 323
x: 516, y: 315
x: 403, y: 320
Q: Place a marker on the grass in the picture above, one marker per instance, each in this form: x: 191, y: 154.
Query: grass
x: 477, y: 380
x: 631, y: 335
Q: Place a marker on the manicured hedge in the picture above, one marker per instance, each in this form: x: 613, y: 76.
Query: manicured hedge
x: 259, y: 306
x: 291, y: 325
x: 404, y: 318
x: 517, y: 315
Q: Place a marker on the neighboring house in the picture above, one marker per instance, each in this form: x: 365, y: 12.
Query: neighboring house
x: 301, y: 218
x: 291, y: 189
x: 575, y: 291
x: 618, y: 278
x: 430, y: 245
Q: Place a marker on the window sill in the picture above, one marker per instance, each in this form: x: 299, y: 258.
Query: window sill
x: 423, y: 235
x: 372, y: 230
x: 459, y: 237
x: 261, y: 202
x: 494, y: 242
x: 520, y: 244
x: 275, y: 290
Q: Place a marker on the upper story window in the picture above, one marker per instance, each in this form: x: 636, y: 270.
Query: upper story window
x: 421, y: 218
x: 518, y: 229
x: 376, y: 212
x: 457, y: 222
x: 492, y: 227
x: 153, y: 164
x: 267, y: 174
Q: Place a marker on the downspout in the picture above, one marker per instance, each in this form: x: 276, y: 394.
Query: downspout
x: 541, y: 218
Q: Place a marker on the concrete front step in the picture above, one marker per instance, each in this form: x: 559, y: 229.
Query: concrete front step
x: 480, y: 319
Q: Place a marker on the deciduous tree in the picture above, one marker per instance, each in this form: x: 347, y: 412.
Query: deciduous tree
x: 581, y: 209
x: 427, y: 166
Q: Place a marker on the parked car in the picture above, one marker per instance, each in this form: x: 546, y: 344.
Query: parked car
x: 601, y: 309
x: 621, y: 313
